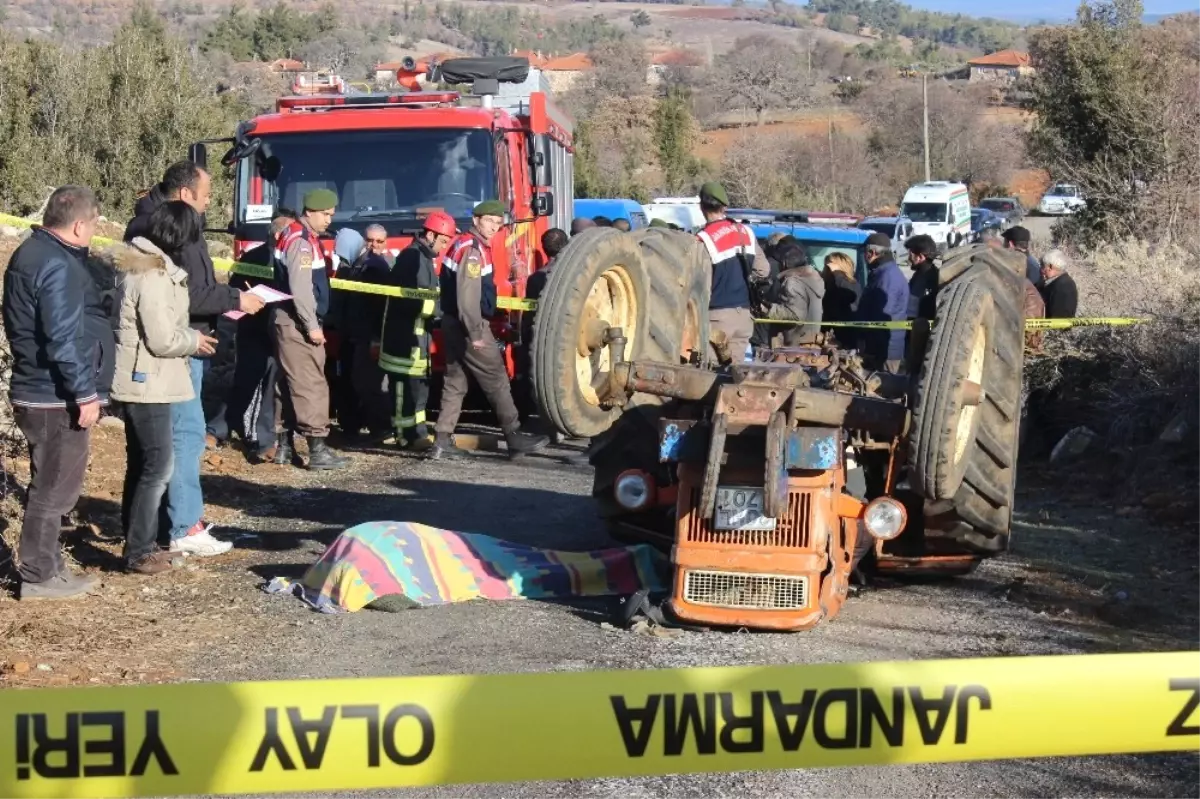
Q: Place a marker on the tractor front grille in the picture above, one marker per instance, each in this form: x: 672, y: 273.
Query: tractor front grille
x: 791, y: 530
x: 742, y: 590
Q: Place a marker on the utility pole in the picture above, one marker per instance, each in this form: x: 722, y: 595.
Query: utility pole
x: 925, y: 119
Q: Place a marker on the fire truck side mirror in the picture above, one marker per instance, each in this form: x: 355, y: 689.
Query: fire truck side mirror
x: 539, y: 159
x: 543, y: 203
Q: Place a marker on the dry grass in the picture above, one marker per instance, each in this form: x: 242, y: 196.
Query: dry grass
x: 1128, y: 384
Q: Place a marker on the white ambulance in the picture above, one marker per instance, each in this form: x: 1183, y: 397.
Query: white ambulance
x: 940, y: 209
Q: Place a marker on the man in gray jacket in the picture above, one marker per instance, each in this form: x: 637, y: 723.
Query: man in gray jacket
x: 801, y: 292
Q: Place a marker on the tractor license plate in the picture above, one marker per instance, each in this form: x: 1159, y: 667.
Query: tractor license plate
x: 741, y: 508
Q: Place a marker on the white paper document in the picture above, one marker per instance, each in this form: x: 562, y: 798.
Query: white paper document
x: 264, y: 293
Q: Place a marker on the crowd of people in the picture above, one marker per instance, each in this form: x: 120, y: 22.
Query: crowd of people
x: 140, y: 339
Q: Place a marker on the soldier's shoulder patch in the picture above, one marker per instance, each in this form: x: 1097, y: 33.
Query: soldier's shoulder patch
x: 303, y: 254
x: 474, y: 266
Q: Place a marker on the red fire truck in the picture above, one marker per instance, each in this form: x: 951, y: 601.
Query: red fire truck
x: 393, y: 158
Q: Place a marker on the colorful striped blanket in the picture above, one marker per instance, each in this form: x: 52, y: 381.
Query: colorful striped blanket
x: 429, y: 566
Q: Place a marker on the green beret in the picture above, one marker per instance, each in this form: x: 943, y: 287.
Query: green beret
x: 320, y: 200
x: 715, y: 192
x: 657, y: 223
x: 489, y: 208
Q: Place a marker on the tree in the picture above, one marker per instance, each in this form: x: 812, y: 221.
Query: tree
x: 761, y: 73
x: 963, y: 144
x: 753, y: 171
x: 640, y: 19
x: 613, y: 146
x: 348, y: 52
x: 675, y: 132
x: 619, y: 70
x: 1118, y: 112
x: 112, y: 117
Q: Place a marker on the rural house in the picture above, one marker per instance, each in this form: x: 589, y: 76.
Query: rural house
x: 1004, y: 65
x: 562, y: 72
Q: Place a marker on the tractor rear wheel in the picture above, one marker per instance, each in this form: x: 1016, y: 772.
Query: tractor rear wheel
x: 964, y: 442
x: 651, y: 283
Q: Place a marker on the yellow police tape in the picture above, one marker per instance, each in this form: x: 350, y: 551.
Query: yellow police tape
x: 266, y: 273
x: 519, y: 304
x: 354, y: 734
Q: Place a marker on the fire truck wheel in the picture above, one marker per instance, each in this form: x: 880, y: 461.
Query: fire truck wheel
x: 647, y: 283
x: 963, y: 446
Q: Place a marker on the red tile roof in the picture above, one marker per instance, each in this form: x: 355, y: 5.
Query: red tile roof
x: 287, y: 65
x: 1002, y: 58
x: 576, y: 62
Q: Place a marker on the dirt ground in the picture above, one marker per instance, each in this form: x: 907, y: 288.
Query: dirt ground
x: 1085, y: 575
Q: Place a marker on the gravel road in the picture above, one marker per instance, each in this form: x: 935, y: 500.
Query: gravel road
x: 1030, y: 602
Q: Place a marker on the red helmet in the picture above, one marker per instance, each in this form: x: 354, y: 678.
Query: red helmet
x: 441, y: 222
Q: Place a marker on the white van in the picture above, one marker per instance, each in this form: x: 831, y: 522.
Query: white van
x: 940, y: 209
x: 682, y: 211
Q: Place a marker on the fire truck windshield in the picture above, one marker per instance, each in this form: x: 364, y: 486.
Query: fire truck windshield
x: 387, y: 176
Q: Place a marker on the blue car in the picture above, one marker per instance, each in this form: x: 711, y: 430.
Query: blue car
x: 629, y: 210
x: 983, y: 219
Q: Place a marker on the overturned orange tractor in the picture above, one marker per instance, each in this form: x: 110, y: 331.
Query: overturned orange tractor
x: 768, y: 481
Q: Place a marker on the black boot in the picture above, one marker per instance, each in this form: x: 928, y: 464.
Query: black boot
x: 520, y: 443
x: 444, y: 448
x: 321, y: 456
x: 285, y: 452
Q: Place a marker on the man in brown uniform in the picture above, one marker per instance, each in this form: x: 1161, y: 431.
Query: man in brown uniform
x: 299, y: 339
x: 468, y: 304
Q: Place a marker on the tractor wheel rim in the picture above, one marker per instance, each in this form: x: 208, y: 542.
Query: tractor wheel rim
x: 613, y: 300
x: 965, y: 430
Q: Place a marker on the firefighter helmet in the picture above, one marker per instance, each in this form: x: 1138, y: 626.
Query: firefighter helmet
x: 441, y: 222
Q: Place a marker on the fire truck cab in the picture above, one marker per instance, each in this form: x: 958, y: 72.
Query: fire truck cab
x: 392, y: 158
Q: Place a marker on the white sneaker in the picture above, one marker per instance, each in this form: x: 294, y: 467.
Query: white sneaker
x: 201, y: 544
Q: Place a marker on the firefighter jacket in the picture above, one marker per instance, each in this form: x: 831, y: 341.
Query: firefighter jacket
x: 299, y: 266
x: 405, y: 339
x: 731, y: 248
x: 468, y: 288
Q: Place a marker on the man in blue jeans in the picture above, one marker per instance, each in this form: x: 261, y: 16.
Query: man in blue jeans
x: 181, y: 516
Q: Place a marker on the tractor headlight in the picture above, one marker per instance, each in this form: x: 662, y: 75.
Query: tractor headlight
x: 633, y: 490
x: 885, y: 518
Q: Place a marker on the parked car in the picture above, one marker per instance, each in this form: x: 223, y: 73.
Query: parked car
x: 681, y: 211
x: 984, y: 218
x: 896, y: 228
x: 1062, y: 198
x: 819, y: 241
x: 629, y: 210
x: 1008, y: 207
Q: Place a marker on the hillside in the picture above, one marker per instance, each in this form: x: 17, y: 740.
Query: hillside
x: 710, y: 30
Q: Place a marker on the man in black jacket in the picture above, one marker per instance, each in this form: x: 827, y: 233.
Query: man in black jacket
x: 62, y: 344
x: 207, y: 300
x: 1058, y: 288
x: 922, y: 286
x: 256, y: 370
